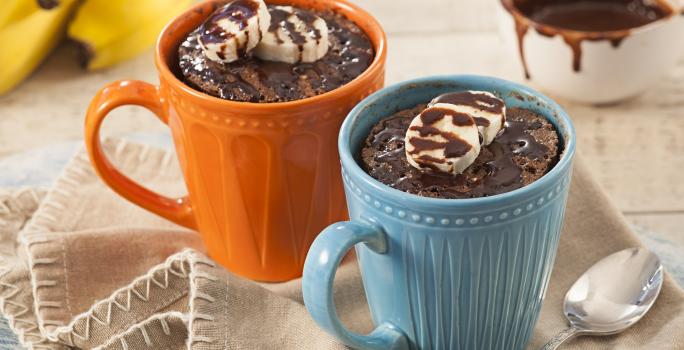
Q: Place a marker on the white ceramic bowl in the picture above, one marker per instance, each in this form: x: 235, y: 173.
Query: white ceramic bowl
x: 608, y: 73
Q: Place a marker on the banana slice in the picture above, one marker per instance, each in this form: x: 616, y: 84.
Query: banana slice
x: 233, y: 30
x: 442, y: 138
x: 488, y: 110
x: 294, y: 35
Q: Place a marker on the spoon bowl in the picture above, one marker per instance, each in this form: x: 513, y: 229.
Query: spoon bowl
x: 612, y: 295
x: 615, y: 293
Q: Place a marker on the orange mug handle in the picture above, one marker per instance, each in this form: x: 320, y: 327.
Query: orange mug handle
x: 131, y: 92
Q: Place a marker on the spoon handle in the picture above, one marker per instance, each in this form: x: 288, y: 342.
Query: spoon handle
x: 560, y: 338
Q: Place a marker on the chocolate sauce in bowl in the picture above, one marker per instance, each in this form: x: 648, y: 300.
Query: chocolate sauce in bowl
x: 583, y: 20
x: 593, y: 15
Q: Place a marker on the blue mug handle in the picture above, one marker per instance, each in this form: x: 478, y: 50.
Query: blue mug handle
x: 320, y: 267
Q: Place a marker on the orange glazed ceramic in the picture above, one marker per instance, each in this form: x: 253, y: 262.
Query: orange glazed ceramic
x: 263, y: 179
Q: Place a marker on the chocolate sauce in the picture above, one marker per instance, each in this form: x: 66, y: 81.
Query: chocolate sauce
x: 279, y: 19
x: 434, y: 114
x: 479, y: 121
x: 593, y: 15
x: 480, y: 101
x: 526, y: 149
x: 454, y: 146
x: 577, y: 21
x: 308, y: 19
x: 254, y: 80
x: 238, y: 11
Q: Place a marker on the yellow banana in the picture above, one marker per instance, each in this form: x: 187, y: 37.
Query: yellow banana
x: 27, y: 41
x: 112, y: 31
x: 14, y: 10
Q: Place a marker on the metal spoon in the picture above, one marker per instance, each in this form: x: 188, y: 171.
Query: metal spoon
x: 612, y: 295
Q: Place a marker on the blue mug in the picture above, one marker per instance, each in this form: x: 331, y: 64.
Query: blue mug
x: 442, y: 273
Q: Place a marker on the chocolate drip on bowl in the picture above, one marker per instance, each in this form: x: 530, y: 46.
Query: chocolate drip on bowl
x: 583, y: 20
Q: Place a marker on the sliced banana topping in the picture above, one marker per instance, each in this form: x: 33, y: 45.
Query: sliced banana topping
x: 442, y: 138
x: 293, y: 36
x: 233, y: 30
x: 488, y: 110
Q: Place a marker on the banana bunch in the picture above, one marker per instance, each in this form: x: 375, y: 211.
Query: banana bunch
x: 110, y: 31
x: 28, y: 33
x: 106, y: 31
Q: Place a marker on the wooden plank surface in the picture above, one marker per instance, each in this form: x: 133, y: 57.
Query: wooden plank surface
x: 400, y: 17
x: 50, y: 106
x: 669, y: 226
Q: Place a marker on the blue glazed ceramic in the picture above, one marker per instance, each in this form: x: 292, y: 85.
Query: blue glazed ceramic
x: 442, y: 273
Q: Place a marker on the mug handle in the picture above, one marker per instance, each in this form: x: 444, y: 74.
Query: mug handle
x: 139, y: 93
x: 320, y: 267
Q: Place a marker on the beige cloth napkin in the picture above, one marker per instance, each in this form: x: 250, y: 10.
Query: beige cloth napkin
x: 83, y: 268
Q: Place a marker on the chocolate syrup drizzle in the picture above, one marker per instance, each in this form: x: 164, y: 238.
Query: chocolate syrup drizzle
x: 454, y: 146
x: 465, y: 98
x: 585, y: 20
x: 508, y: 163
x: 479, y: 101
x: 238, y: 11
x: 279, y: 19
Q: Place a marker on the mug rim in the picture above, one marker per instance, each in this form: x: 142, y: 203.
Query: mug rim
x: 374, y: 29
x: 513, y: 10
x: 350, y: 165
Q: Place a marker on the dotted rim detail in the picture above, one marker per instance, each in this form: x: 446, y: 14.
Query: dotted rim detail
x: 486, y: 218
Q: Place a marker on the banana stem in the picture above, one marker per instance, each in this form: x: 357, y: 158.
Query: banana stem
x: 48, y: 4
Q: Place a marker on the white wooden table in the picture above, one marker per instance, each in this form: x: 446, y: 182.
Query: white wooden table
x: 636, y: 149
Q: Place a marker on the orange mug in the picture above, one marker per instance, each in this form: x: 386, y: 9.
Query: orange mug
x: 263, y: 179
